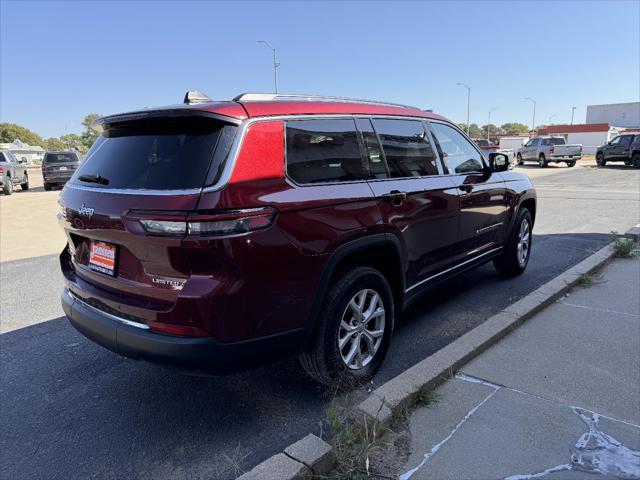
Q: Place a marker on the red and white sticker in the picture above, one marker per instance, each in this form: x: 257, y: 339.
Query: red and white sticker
x: 102, y: 257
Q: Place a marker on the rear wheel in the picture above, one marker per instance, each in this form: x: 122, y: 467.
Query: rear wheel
x: 517, y: 249
x: 354, y: 330
x: 542, y: 161
x: 571, y: 164
x: 519, y: 159
x: 627, y: 162
x: 8, y: 186
x: 636, y: 160
x: 47, y: 187
x: 600, y: 161
x: 25, y: 182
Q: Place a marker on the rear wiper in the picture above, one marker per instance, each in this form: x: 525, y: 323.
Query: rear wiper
x: 92, y: 178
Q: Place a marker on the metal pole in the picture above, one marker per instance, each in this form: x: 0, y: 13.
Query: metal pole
x: 573, y: 110
x: 533, y: 123
x: 275, y: 64
x: 468, y: 101
x: 551, y: 117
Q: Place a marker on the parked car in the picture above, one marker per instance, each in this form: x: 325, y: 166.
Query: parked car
x: 512, y: 143
x: 485, y: 144
x: 220, y: 235
x: 58, y: 167
x: 13, y: 172
x: 545, y: 150
x: 623, y: 148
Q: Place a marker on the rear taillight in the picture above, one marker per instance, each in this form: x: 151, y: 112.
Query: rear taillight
x: 177, y: 330
x: 1, y: 170
x: 224, y: 223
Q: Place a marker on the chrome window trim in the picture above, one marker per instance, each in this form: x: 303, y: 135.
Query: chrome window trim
x: 477, y: 257
x: 106, y: 314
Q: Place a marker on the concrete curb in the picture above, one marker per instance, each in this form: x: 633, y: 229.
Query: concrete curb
x: 312, y: 456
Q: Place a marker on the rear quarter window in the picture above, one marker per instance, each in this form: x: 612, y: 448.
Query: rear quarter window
x: 320, y: 151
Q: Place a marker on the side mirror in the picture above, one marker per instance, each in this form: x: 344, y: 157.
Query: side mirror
x: 499, y: 162
x: 608, y: 143
x: 23, y: 161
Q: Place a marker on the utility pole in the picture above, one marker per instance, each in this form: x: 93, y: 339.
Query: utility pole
x: 468, y: 101
x: 533, y: 123
x: 573, y: 110
x: 551, y: 117
x: 489, y: 122
x: 275, y: 64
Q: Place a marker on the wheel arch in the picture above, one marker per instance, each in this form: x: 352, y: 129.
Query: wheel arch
x: 381, y: 251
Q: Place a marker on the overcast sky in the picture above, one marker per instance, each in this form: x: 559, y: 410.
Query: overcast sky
x: 63, y: 60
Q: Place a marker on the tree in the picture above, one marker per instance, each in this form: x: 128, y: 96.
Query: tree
x: 89, y: 136
x: 474, y: 130
x: 72, y: 141
x: 494, y: 130
x: 10, y: 132
x: 514, y: 127
x: 53, y: 144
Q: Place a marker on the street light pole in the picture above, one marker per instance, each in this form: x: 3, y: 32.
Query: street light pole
x: 468, y: 101
x: 551, y: 117
x: 489, y: 122
x: 533, y: 123
x: 275, y: 64
x: 573, y: 110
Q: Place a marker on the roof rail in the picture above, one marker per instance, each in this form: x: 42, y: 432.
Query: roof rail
x: 274, y: 97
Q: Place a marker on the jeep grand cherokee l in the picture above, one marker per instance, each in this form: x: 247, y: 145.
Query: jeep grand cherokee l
x: 219, y: 235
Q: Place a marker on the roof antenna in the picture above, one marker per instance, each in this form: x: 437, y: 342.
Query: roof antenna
x: 194, y: 96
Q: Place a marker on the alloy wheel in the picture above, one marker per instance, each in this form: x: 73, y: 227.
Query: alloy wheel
x: 361, y: 329
x: 524, y: 242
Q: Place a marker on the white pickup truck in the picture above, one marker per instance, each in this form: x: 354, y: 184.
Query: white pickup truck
x: 545, y: 150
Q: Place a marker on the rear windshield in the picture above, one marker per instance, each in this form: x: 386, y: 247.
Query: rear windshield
x: 157, y: 154
x: 558, y: 141
x: 60, y: 158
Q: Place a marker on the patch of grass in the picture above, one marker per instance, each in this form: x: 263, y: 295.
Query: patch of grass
x: 587, y: 280
x: 623, y: 247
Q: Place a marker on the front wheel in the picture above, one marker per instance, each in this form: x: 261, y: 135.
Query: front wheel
x: 25, y: 182
x: 542, y: 161
x: 354, y: 329
x: 600, y: 161
x: 635, y: 160
x: 571, y: 164
x: 520, y: 161
x: 517, y: 249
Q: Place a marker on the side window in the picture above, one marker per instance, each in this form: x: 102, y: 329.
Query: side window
x: 324, y: 151
x: 535, y: 142
x: 406, y: 148
x: 616, y: 140
x: 546, y: 142
x: 636, y: 140
x: 627, y: 139
x: 457, y: 153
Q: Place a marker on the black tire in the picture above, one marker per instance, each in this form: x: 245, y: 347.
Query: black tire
x: 508, y: 264
x: 571, y: 164
x: 323, y: 361
x: 47, y: 187
x: 636, y: 160
x: 25, y: 182
x: 628, y: 162
x: 519, y: 159
x: 600, y: 161
x: 8, y: 186
x: 542, y: 161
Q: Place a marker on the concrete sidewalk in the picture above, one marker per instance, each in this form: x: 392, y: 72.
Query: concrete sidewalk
x: 558, y: 398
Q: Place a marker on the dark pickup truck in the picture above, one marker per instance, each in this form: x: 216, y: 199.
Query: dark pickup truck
x: 623, y: 148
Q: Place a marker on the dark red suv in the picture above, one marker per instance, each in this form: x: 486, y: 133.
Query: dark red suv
x: 219, y: 235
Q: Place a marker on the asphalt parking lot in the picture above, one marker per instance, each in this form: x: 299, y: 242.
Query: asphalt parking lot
x: 70, y: 409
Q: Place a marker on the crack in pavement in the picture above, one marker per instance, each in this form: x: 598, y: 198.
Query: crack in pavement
x: 594, y: 452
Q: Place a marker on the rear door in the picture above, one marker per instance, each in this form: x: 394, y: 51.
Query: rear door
x: 417, y: 203
x: 483, y: 202
x: 135, y: 174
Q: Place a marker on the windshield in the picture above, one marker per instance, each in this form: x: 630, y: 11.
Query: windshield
x: 156, y: 154
x: 60, y: 158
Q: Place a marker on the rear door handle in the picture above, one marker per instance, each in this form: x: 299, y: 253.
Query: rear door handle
x: 395, y: 197
x: 466, y: 188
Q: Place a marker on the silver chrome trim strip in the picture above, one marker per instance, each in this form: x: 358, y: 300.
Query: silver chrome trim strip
x: 106, y: 314
x: 490, y: 227
x: 272, y: 97
x: 452, y: 268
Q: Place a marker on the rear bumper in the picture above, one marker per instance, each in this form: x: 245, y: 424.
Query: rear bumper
x: 565, y: 158
x: 57, y: 177
x: 205, y: 355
